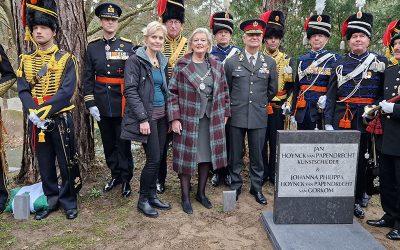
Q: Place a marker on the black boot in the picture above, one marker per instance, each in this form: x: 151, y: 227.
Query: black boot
x: 185, y: 186
x: 145, y: 207
x: 126, y: 189
x: 201, y: 187
x: 155, y: 202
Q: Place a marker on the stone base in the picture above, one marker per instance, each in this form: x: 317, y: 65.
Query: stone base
x: 318, y: 236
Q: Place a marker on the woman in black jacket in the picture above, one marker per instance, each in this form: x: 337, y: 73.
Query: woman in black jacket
x: 145, y: 118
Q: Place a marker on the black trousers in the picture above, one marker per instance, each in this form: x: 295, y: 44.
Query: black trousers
x: 365, y: 145
x: 162, y: 172
x: 47, y: 152
x: 116, y: 150
x: 275, y: 123
x: 3, y: 187
x: 154, y: 149
x: 307, y: 124
x: 256, y: 138
x: 389, y: 175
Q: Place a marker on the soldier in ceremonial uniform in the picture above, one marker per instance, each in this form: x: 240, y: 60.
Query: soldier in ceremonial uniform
x: 313, y: 71
x: 103, y: 90
x: 7, y: 79
x: 221, y: 24
x: 390, y: 151
x: 172, y: 14
x: 356, y: 81
x: 47, y: 79
x: 279, y: 106
x: 252, y: 80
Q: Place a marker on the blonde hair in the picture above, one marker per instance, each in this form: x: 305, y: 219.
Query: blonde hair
x: 152, y: 28
x: 203, y: 31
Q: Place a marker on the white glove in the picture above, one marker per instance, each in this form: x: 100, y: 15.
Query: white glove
x: 328, y: 127
x: 285, y: 109
x: 387, y: 107
x: 34, y: 118
x: 94, y: 111
x: 322, y: 102
x: 42, y: 125
x: 293, y: 119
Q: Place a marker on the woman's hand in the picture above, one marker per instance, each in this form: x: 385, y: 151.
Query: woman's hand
x: 226, y: 120
x: 176, y: 126
x: 145, y: 128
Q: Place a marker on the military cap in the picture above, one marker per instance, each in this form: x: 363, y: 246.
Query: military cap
x: 40, y: 12
x: 221, y: 20
x: 253, y: 26
x: 275, y: 23
x: 171, y: 9
x: 392, y: 30
x: 360, y: 22
x: 318, y: 24
x: 108, y: 10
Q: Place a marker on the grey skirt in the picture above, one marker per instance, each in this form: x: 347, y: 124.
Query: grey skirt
x: 203, y: 142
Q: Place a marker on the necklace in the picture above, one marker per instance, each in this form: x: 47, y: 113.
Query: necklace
x: 225, y: 50
x: 202, y: 86
x: 361, y: 59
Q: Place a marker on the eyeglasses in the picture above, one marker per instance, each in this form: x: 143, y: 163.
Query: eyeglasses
x: 172, y: 22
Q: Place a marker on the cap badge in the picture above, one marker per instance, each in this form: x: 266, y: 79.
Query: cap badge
x: 110, y: 9
x: 319, y: 18
x: 276, y: 18
x: 255, y: 23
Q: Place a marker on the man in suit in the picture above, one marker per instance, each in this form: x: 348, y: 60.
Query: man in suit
x: 390, y: 150
x: 7, y: 79
x: 252, y: 80
x: 103, y: 89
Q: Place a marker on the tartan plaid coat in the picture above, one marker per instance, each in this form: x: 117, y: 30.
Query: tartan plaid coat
x: 184, y: 104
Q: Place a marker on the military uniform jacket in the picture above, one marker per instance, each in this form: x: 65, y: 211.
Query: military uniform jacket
x: 250, y: 89
x: 391, y: 122
x: 284, y: 67
x: 170, y: 47
x: 318, y: 75
x: 221, y: 53
x: 371, y: 89
x: 51, y: 93
x: 8, y: 77
x: 106, y: 58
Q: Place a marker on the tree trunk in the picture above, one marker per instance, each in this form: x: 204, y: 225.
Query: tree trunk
x: 72, y: 38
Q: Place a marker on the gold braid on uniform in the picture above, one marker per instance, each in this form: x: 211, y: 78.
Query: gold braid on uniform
x: 49, y: 84
x: 6, y: 85
x: 281, y: 63
x: 170, y: 47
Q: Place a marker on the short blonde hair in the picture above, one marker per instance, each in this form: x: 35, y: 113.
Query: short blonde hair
x: 204, y: 31
x: 152, y: 28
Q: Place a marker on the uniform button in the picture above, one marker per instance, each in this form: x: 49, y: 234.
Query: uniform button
x: 108, y: 72
x: 395, y: 87
x: 108, y: 65
x: 251, y: 92
x: 250, y: 101
x: 393, y: 94
x: 388, y: 116
x: 109, y: 87
x: 252, y: 74
x: 387, y: 88
x: 397, y: 79
x: 251, y: 83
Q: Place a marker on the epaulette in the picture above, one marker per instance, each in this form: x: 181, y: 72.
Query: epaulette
x: 125, y: 39
x: 95, y: 39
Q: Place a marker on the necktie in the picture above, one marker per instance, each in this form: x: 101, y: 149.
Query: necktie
x: 252, y: 62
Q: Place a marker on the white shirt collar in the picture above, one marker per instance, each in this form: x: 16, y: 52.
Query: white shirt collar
x: 248, y: 56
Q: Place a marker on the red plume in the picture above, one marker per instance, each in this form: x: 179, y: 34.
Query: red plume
x: 211, y: 21
x: 34, y: 2
x: 23, y: 13
x: 387, y: 36
x: 306, y: 23
x: 162, y: 5
x: 265, y: 17
x: 344, y: 27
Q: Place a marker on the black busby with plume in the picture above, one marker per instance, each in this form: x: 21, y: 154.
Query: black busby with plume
x: 275, y: 21
x: 171, y: 9
x: 40, y: 12
x: 317, y: 24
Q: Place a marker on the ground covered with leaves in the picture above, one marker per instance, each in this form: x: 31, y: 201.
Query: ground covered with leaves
x: 108, y: 221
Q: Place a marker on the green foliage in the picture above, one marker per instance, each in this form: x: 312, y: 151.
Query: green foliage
x: 95, y: 193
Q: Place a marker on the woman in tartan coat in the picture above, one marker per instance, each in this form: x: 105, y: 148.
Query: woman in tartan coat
x: 198, y: 108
